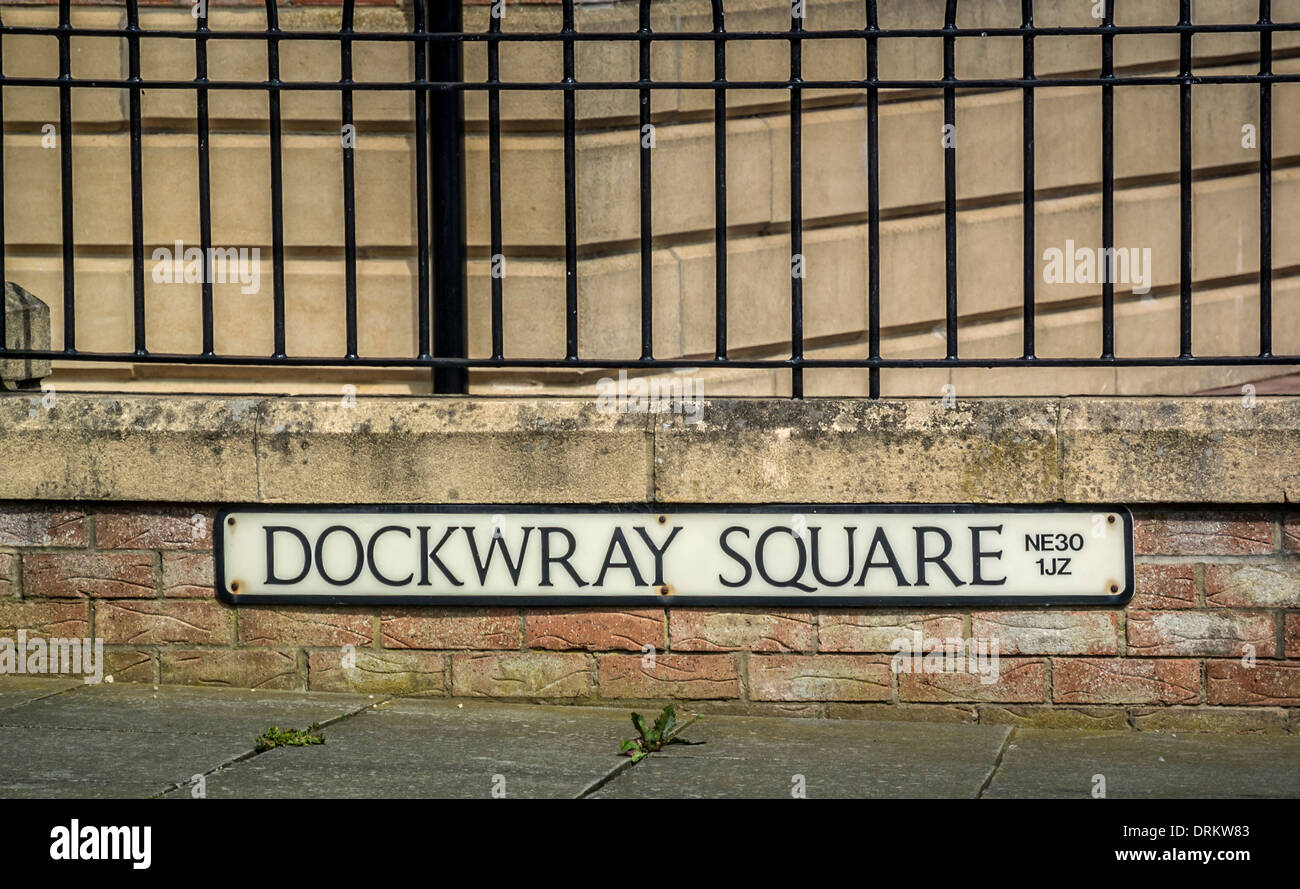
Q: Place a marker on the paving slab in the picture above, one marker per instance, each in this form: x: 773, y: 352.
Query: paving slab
x: 136, y: 740
x: 62, y: 738
x: 18, y: 690
x: 438, y: 748
x: 172, y: 708
x: 837, y: 759
x: 1042, y: 763
x: 56, y: 763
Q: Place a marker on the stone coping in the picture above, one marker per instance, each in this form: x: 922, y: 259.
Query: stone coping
x: 254, y: 449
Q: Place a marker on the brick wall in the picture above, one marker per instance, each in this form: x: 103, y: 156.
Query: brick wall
x: 1209, y: 584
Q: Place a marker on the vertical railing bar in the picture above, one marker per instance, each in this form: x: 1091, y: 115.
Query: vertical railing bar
x: 65, y: 178
x: 950, y: 177
x: 1265, y: 183
x: 277, y: 176
x: 873, y: 197
x: 205, y: 176
x: 1108, y: 264
x: 719, y: 182
x: 447, y: 190
x: 1030, y: 254
x: 420, y: 98
x: 570, y: 194
x: 796, y: 204
x: 494, y: 187
x: 647, y: 233
x: 137, y: 174
x: 349, y: 182
x: 1185, y: 180
x: 4, y: 287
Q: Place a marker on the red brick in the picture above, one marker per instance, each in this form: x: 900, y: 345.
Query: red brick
x: 128, y: 665
x: 1019, y: 681
x: 820, y: 677
x: 98, y: 575
x: 780, y: 709
x: 21, y: 526
x: 1292, y: 631
x: 1038, y: 716
x: 876, y: 631
x: 1238, y: 720
x: 701, y: 630
x: 1291, y: 533
x: 1214, y: 633
x: 68, y: 658
x: 188, y: 575
x: 8, y: 564
x: 1232, y: 682
x: 1268, y: 585
x: 1125, y: 681
x: 594, y: 630
x: 688, y: 676
x: 119, y: 665
x: 472, y: 628
x: 1161, y: 587
x: 62, y: 619
x: 151, y: 528
x: 160, y: 621
x: 292, y: 627
x: 235, y: 668
x: 522, y: 674
x: 883, y: 712
x: 1211, y: 534
x: 378, y: 672
x: 1048, y: 631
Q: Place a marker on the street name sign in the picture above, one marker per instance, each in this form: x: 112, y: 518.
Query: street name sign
x: 824, y: 555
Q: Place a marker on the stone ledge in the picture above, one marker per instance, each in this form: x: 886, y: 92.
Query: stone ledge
x: 224, y: 449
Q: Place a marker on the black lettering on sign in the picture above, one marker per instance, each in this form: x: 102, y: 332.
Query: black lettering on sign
x: 658, y: 551
x: 628, y: 563
x: 744, y: 563
x: 759, y: 562
x: 978, y: 555
x: 484, y: 566
x: 370, y: 555
x: 433, y: 557
x: 813, y: 532
x: 891, y: 561
x: 562, y: 561
x: 922, y: 531
x: 271, y: 531
x: 1049, y: 542
x: 320, y: 557
x: 954, y: 554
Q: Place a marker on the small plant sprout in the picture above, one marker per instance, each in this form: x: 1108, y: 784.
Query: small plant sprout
x: 281, y: 737
x: 653, y: 738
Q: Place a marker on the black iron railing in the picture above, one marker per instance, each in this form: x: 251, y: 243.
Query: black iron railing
x: 438, y: 87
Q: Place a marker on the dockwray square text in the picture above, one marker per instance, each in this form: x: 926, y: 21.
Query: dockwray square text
x: 924, y: 553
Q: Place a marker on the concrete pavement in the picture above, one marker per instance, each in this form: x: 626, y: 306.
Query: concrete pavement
x: 67, y: 739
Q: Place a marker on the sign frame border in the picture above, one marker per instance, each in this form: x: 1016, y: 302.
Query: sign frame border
x: 706, y: 601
